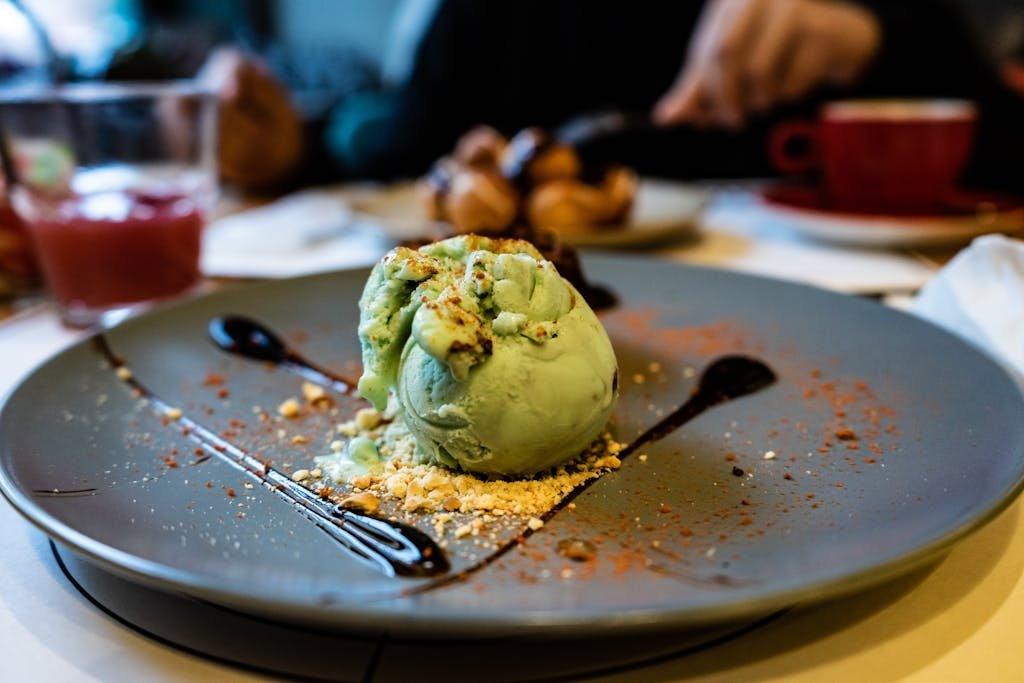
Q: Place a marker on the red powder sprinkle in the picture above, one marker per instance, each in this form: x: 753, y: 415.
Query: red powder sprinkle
x: 213, y: 379
x: 231, y: 493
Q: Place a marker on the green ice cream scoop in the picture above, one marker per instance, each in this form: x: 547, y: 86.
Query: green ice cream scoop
x: 498, y: 364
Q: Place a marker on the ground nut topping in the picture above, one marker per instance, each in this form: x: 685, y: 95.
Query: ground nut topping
x: 424, y: 487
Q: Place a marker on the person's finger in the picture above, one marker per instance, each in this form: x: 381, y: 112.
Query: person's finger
x: 688, y: 98
x: 679, y: 104
x: 725, y: 70
x: 773, y: 43
x: 725, y: 97
x: 806, y: 69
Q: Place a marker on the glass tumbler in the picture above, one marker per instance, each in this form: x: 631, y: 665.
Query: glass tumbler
x: 114, y: 183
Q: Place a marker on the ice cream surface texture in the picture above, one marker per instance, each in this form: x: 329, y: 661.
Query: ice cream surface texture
x: 498, y: 364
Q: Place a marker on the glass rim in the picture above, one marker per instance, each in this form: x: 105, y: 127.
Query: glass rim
x: 86, y: 92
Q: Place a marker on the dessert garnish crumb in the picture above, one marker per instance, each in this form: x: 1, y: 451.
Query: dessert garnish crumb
x: 413, y: 485
x: 289, y: 408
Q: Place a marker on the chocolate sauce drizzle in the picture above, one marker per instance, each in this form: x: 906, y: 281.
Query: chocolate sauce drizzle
x: 58, y: 492
x: 246, y: 337
x: 726, y: 378
x: 391, y: 547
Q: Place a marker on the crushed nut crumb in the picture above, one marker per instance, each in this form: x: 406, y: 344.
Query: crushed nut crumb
x: 289, y: 408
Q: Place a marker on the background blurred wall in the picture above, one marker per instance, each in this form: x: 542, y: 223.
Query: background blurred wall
x: 361, y: 24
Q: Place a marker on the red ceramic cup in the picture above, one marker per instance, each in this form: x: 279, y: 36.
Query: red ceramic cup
x: 893, y: 156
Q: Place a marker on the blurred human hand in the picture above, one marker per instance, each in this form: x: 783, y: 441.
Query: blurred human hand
x: 748, y: 56
x: 260, y: 133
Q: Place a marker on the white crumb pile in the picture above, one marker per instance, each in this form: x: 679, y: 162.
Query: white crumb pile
x: 421, y: 487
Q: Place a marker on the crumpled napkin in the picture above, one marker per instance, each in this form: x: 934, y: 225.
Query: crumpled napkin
x: 307, y: 232
x: 979, y: 295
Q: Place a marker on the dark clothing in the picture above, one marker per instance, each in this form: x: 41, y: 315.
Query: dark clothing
x: 518, y: 63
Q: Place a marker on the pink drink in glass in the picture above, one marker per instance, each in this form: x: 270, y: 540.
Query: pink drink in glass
x: 114, y: 248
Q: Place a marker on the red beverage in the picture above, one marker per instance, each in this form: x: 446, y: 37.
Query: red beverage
x: 113, y: 248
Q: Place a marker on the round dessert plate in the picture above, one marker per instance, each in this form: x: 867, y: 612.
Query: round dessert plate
x: 804, y: 209
x: 883, y: 441
x: 664, y: 211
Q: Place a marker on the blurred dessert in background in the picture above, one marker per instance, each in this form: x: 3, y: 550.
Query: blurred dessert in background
x: 490, y: 185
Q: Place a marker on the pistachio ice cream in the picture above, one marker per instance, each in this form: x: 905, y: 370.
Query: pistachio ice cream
x: 497, y: 363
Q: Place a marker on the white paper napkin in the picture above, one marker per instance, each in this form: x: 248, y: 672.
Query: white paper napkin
x: 980, y: 296
x: 306, y: 232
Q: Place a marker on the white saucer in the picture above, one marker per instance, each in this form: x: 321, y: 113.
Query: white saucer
x: 876, y: 230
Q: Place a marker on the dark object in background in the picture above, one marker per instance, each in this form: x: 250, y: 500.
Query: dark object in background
x: 516, y: 63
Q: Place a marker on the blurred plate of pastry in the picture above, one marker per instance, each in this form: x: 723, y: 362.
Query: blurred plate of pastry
x: 491, y: 185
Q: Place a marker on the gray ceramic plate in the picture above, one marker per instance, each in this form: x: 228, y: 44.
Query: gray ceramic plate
x: 884, y: 441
